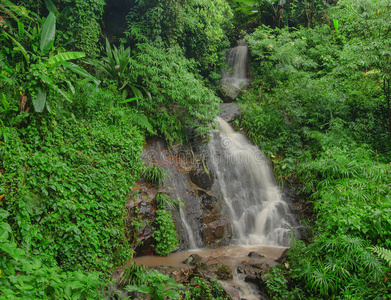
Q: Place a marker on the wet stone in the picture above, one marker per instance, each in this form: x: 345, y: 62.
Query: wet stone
x: 193, y: 260
x: 253, y: 254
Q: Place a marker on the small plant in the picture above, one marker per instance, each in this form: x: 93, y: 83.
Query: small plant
x: 156, y: 285
x: 383, y: 253
x: 131, y: 275
x: 204, y: 289
x: 164, y: 230
x: 276, y: 283
x: 154, y: 174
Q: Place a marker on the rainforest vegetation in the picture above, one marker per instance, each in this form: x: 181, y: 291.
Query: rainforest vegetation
x: 84, y: 83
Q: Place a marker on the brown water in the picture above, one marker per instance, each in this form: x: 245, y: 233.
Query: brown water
x: 231, y: 256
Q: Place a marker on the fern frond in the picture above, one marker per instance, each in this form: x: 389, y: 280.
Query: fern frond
x: 382, y: 253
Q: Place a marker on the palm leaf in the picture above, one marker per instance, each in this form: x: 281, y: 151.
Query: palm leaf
x: 80, y: 71
x: 39, y: 101
x: 48, y: 33
x: 20, y: 47
x: 62, y: 57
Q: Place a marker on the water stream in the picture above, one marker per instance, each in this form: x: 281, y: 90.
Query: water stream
x: 259, y: 215
x: 237, y: 61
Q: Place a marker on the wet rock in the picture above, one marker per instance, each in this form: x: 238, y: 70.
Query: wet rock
x: 210, y: 207
x: 217, y: 232
x: 202, y: 178
x: 233, y: 292
x: 223, y: 272
x: 253, y: 254
x: 192, y: 260
x: 260, y: 266
x: 227, y: 92
x: 282, y: 257
x: 253, y: 278
x: 229, y: 111
x: 140, y: 214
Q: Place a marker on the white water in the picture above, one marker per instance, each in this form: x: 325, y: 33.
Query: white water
x: 258, y: 212
x: 237, y: 61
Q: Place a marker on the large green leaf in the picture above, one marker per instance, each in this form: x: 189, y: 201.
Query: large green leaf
x: 59, y: 58
x: 75, y: 68
x: 3, y: 214
x: 51, y: 7
x: 20, y: 47
x: 48, y: 33
x: 39, y: 101
x: 2, y: 77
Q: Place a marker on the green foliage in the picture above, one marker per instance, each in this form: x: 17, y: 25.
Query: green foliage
x: 333, y: 265
x: 197, y: 26
x: 164, y: 229
x: 131, y: 275
x: 202, y: 288
x: 83, y: 27
x: 24, y: 276
x: 156, y: 285
x: 40, y: 79
x: 154, y: 174
x: 351, y: 189
x: 179, y: 98
x: 383, y: 253
x: 116, y: 66
x: 79, y: 175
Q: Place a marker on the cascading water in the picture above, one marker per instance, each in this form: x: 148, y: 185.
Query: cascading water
x: 237, y: 61
x: 258, y: 213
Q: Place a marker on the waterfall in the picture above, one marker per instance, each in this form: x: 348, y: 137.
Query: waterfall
x: 258, y: 212
x: 237, y: 61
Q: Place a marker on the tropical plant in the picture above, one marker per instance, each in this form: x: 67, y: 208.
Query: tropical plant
x: 116, y: 66
x: 154, y: 174
x: 383, y: 253
x: 197, y: 26
x: 156, y: 285
x: 41, y: 77
x: 179, y: 97
x: 26, y: 276
x: 164, y: 229
x: 131, y: 276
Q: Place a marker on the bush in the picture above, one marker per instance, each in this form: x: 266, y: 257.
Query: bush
x: 164, y: 229
x: 66, y: 183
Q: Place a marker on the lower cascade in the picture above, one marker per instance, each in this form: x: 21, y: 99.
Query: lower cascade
x: 254, y: 203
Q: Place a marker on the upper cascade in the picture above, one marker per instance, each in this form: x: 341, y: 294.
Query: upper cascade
x: 237, y: 61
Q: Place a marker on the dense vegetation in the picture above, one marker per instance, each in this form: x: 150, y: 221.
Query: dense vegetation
x: 77, y: 106
x: 320, y: 106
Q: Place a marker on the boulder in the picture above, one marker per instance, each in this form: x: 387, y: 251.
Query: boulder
x: 282, y: 257
x: 223, y: 272
x: 217, y: 233
x: 229, y: 111
x: 200, y: 177
x: 227, y: 92
x: 253, y: 254
x: 192, y: 260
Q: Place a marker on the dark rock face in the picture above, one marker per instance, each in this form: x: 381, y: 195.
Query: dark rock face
x: 141, y: 212
x: 228, y: 92
x: 202, y: 178
x: 229, y: 111
x: 217, y: 233
x: 217, y: 228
